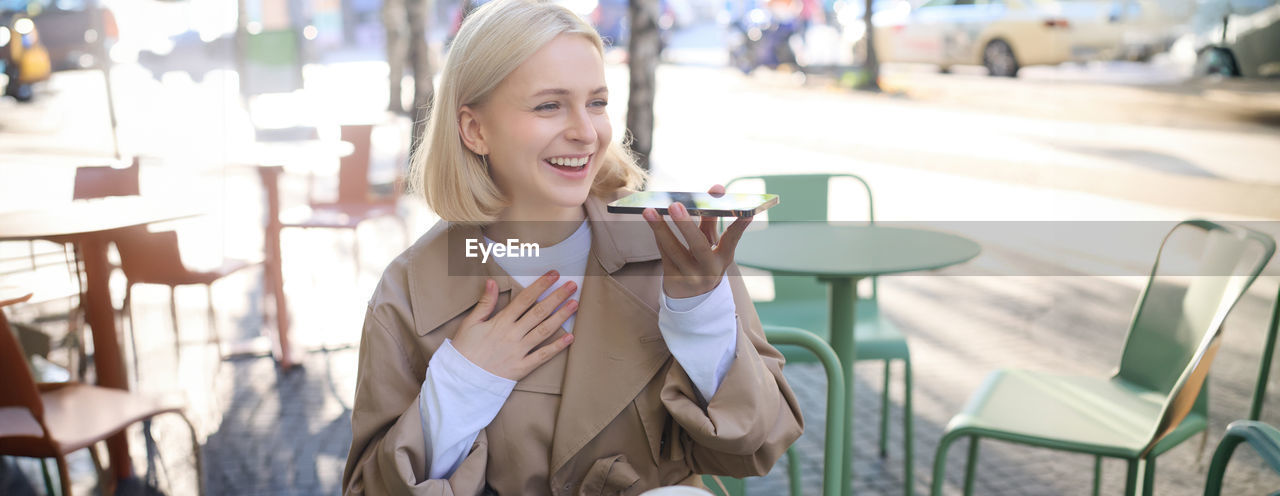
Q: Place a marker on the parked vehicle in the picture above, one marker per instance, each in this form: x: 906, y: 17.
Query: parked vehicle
x: 70, y: 31
x: 1003, y: 35
x: 1238, y: 38
x: 22, y: 56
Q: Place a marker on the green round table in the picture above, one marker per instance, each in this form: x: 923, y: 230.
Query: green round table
x: 840, y: 255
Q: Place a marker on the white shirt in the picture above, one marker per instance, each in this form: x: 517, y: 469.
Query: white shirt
x: 459, y: 398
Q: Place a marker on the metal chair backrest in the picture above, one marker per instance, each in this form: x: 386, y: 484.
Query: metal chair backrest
x: 803, y: 198
x: 1201, y: 271
x: 105, y: 181
x: 353, y: 169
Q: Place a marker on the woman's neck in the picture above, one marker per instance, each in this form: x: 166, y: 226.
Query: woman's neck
x: 546, y: 227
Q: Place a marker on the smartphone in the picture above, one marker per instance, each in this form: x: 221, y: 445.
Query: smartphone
x: 726, y: 205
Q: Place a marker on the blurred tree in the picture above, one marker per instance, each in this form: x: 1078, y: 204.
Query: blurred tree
x: 393, y: 21
x: 420, y: 57
x: 871, y: 66
x: 642, y: 60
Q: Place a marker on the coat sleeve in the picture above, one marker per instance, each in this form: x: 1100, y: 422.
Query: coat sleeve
x: 388, y: 453
x: 753, y: 417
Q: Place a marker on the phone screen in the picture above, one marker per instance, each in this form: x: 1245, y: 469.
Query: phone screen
x: 726, y: 205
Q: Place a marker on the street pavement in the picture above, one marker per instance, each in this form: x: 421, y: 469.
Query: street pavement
x: 935, y: 149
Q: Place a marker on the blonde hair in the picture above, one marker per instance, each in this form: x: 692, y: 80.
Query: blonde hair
x: 492, y: 42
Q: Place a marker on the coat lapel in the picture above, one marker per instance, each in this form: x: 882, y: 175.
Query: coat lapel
x: 617, y: 347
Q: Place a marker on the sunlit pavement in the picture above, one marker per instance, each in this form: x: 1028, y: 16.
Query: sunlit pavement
x: 937, y: 157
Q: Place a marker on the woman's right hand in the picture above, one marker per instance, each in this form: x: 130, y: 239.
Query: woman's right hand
x: 506, y: 344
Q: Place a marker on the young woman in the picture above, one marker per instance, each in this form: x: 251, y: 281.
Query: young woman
x: 616, y: 359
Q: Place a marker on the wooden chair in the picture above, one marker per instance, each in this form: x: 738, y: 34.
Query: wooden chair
x: 51, y: 420
x: 154, y: 258
x: 149, y: 258
x: 356, y: 201
x: 105, y: 181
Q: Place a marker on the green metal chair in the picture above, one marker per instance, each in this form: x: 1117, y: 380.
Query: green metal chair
x: 1153, y: 401
x: 1263, y: 438
x: 833, y: 445
x: 802, y: 301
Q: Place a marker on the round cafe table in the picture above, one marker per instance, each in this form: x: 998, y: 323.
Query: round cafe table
x: 840, y: 255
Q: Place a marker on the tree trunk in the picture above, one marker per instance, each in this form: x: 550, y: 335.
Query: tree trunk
x: 419, y: 12
x: 642, y: 61
x: 871, y: 66
x: 393, y: 20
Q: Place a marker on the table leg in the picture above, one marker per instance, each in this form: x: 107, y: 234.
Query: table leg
x: 844, y: 297
x: 273, y: 263
x: 108, y: 362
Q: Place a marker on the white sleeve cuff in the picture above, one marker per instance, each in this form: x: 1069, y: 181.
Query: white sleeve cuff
x: 700, y: 327
x: 458, y: 399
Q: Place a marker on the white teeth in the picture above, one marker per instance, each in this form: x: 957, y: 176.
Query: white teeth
x: 569, y: 162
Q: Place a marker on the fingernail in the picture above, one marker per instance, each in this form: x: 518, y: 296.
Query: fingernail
x: 677, y: 210
x: 488, y: 284
x: 573, y: 305
x: 568, y: 338
x: 553, y: 274
x: 649, y: 214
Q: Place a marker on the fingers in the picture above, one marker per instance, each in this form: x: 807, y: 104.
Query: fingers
x: 551, y: 325
x: 529, y: 296
x: 488, y: 300
x: 539, y: 312
x: 709, y: 224
x: 670, y: 247
x: 541, y: 355
x: 699, y: 245
x: 732, y: 235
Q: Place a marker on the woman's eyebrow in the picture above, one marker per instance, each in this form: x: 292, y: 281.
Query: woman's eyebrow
x: 562, y: 91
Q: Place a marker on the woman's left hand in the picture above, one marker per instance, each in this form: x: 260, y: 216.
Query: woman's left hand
x: 696, y: 269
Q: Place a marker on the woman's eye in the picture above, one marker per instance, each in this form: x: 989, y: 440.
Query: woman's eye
x: 600, y: 103
x: 546, y: 107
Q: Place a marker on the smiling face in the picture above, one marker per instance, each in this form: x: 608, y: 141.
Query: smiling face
x: 545, y: 128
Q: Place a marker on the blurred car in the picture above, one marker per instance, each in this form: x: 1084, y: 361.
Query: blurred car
x: 23, y: 58
x: 1238, y: 38
x: 1002, y: 35
x: 68, y: 30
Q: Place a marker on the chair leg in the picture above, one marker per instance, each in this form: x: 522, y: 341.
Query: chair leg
x: 133, y: 340
x: 1097, y: 474
x: 1149, y: 477
x: 793, y: 472
x: 195, y: 447
x: 940, y: 462
x: 173, y: 313
x: 213, y: 321
x: 355, y: 238
x: 48, y: 481
x: 971, y: 466
x: 64, y: 475
x: 908, y: 430
x: 884, y: 412
x: 1131, y: 478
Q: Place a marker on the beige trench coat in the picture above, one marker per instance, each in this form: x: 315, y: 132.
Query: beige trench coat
x: 613, y: 414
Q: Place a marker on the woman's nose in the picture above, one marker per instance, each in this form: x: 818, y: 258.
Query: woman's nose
x: 581, y: 128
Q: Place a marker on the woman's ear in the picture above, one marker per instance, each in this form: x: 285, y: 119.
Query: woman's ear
x: 469, y: 129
